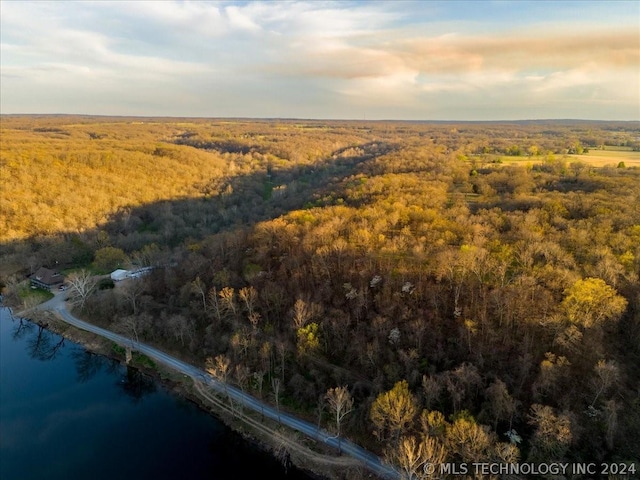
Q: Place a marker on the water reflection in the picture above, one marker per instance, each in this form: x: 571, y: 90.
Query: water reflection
x: 43, y: 345
x: 88, y: 365
x: 80, y: 415
x: 136, y: 384
x: 20, y: 328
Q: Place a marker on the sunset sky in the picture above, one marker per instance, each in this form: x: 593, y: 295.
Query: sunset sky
x: 413, y: 60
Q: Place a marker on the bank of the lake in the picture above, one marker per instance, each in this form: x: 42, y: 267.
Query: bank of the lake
x: 66, y: 413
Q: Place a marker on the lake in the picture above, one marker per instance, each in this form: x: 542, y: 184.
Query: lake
x: 68, y: 414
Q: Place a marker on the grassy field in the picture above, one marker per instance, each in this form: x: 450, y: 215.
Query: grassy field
x: 32, y: 296
x: 600, y: 158
x: 597, y: 158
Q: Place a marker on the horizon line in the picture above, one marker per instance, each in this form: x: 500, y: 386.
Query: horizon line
x: 318, y: 119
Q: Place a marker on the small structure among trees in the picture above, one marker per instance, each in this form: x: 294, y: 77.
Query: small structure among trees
x: 46, y: 279
x: 120, y: 274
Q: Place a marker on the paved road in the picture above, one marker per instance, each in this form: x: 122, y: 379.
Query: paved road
x: 370, y: 460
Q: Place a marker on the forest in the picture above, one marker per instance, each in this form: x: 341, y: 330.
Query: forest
x: 434, y: 291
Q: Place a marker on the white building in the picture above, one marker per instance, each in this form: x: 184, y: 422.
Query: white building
x: 119, y: 274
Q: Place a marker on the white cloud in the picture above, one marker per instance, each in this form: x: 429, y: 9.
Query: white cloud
x: 196, y: 55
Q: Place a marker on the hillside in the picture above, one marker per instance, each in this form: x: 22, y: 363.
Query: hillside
x: 461, y: 280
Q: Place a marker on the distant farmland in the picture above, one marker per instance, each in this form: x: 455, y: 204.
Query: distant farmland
x: 600, y: 158
x: 596, y: 158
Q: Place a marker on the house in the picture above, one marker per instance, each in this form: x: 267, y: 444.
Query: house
x: 46, y: 279
x: 120, y: 274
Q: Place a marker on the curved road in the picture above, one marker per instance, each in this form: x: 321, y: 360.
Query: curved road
x: 371, y: 461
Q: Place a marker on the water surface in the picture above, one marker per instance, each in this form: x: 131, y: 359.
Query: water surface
x: 67, y: 414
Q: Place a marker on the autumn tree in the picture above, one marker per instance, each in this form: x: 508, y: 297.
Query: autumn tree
x: 308, y: 338
x: 109, y: 258
x: 393, y: 411
x: 413, y: 456
x: 552, y: 436
x: 219, y: 368
x: 591, y: 301
x: 469, y: 441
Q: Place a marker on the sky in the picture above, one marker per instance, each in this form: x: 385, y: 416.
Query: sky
x: 373, y: 60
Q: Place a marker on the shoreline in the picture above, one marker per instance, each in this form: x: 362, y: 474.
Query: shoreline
x: 275, y: 440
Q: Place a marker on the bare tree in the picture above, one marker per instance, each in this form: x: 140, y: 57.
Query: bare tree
x: 213, y: 303
x: 320, y: 408
x: 228, y: 302
x: 275, y: 385
x: 81, y: 286
x: 610, y: 411
x: 302, y: 312
x: 181, y: 326
x: 281, y: 347
x: 341, y: 404
x: 249, y: 296
x: 500, y: 404
x: 131, y: 291
x: 431, y: 389
x: 254, y: 319
x: 607, y: 374
x: 258, y: 378
x: 199, y: 287
x: 130, y: 325
x: 242, y: 374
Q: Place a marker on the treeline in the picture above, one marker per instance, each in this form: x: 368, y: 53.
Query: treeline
x: 475, y: 312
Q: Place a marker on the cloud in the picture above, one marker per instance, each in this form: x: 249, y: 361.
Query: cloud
x: 195, y: 55
x: 391, y: 69
x: 458, y: 54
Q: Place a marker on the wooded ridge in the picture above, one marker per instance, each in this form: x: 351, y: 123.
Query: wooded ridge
x: 436, y: 292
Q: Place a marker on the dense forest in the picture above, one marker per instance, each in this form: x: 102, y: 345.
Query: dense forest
x: 458, y: 292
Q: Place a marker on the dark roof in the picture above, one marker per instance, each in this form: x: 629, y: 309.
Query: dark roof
x: 47, y: 276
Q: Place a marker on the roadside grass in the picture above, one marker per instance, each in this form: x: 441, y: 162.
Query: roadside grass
x: 142, y: 360
x: 138, y: 359
x: 118, y: 350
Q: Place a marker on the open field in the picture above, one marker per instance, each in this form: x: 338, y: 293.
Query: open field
x: 595, y: 158
x: 601, y: 158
